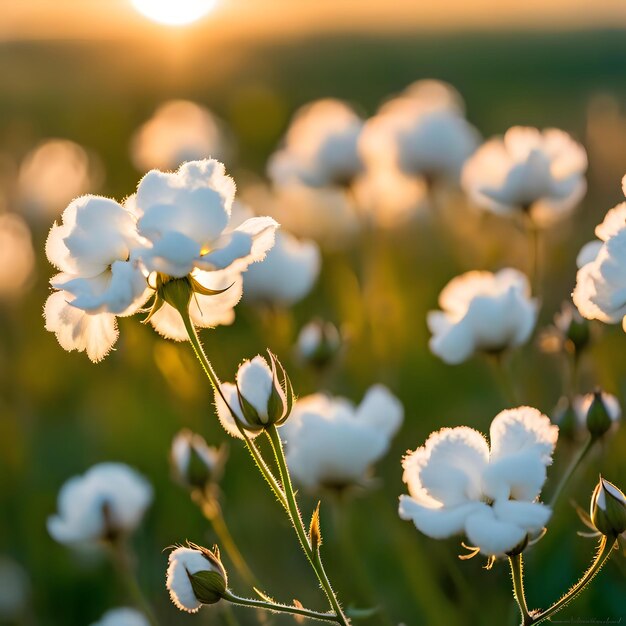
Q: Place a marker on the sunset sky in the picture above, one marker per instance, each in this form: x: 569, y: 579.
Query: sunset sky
x: 115, y: 18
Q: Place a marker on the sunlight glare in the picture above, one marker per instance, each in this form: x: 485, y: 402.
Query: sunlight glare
x: 174, y: 12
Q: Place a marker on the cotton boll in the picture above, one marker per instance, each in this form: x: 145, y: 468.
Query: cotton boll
x: 184, y: 564
x: 194, y: 463
x: 17, y: 256
x: 52, y: 174
x: 286, y: 275
x: 330, y: 443
x: 538, y: 172
x: 318, y: 343
x: 15, y: 590
x: 122, y: 617
x: 320, y: 147
x: 179, y: 131
x: 459, y: 485
x: 109, y: 500
x: 482, y: 311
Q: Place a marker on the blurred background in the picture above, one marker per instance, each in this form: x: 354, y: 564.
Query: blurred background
x: 87, y: 75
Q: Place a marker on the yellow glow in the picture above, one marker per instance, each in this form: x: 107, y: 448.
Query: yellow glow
x: 174, y: 12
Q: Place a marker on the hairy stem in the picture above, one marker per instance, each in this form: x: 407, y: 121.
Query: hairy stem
x: 517, y: 574
x: 280, y: 608
x: 296, y: 518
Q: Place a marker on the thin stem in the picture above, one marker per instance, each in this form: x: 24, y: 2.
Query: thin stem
x: 604, y: 551
x: 296, y: 518
x: 120, y: 557
x: 573, y: 466
x: 215, y: 382
x: 502, y: 374
x: 281, y: 608
x: 517, y: 574
x: 534, y: 236
x: 213, y: 513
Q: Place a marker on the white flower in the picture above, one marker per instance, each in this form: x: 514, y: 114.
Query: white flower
x: 459, y: 485
x: 331, y: 443
x: 185, y: 215
x: 17, y: 256
x: 108, y: 500
x: 194, y: 462
x: 184, y: 563
x: 178, y: 131
x: 286, y: 275
x: 482, y: 312
x: 261, y: 396
x: 423, y: 132
x: 539, y: 172
x: 100, y: 276
x: 15, y: 591
x: 320, y: 147
x: 53, y: 173
x: 600, y: 291
x: 324, y: 214
x: 122, y: 617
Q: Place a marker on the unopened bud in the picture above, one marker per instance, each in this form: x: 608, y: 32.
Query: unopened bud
x: 195, y: 576
x: 573, y: 326
x: 566, y: 419
x: 608, y: 509
x: 600, y: 412
x: 194, y: 463
x: 318, y: 343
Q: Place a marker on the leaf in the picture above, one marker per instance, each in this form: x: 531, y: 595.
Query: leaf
x: 315, y: 533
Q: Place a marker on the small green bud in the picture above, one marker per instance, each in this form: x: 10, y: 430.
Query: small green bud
x: 599, y: 419
x: 608, y: 509
x: 565, y: 418
x: 195, y: 464
x: 573, y: 326
x: 319, y: 343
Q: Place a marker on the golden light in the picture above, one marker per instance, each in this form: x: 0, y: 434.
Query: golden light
x: 174, y: 12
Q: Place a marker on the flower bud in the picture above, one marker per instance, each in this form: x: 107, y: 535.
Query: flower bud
x: 195, y: 464
x: 573, y: 326
x: 565, y: 418
x: 608, y: 509
x: 600, y: 411
x: 261, y: 396
x: 195, y: 576
x: 177, y: 292
x: 318, y: 343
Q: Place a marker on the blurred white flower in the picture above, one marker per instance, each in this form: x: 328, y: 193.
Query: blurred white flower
x: 459, y: 485
x: 179, y: 131
x: 422, y: 132
x: 185, y: 216
x: 109, y: 500
x: 482, y: 312
x: 331, y: 443
x: 100, y: 276
x: 184, y: 564
x: 537, y: 172
x: 15, y: 591
x: 318, y: 343
x: 260, y: 396
x: 600, y: 291
x: 194, y: 462
x: 326, y: 214
x: 17, y: 256
x: 286, y: 275
x: 122, y: 617
x: 320, y: 146
x: 53, y: 173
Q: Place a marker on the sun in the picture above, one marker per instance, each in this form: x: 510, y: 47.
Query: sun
x: 174, y: 12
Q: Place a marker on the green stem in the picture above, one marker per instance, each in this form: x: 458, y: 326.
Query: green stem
x: 517, y: 574
x: 215, y: 382
x: 296, y: 518
x: 604, y: 551
x: 213, y: 513
x: 534, y: 235
x: 122, y: 561
x: 503, y: 376
x: 572, y: 467
x: 280, y: 608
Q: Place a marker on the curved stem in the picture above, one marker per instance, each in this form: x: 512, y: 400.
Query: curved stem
x: 604, y: 551
x: 215, y: 382
x: 280, y: 608
x: 517, y: 574
x: 122, y: 561
x: 296, y: 518
x: 572, y: 467
x: 213, y: 513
